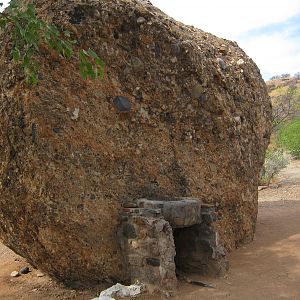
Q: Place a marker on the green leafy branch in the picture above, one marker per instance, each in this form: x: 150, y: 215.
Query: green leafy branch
x: 29, y: 33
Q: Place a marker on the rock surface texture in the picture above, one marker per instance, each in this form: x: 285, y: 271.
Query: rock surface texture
x: 180, y: 113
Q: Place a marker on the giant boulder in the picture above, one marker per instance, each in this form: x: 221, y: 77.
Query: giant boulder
x: 180, y: 113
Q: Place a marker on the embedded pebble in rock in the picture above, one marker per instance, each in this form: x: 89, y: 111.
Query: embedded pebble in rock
x: 237, y: 119
x: 175, y: 48
x: 40, y: 274
x: 15, y: 274
x: 136, y: 63
x: 153, y: 262
x: 75, y: 114
x: 56, y: 130
x: 140, y: 20
x: 174, y: 60
x: 240, y: 62
x: 122, y: 104
x: 24, y: 270
x: 202, y: 98
x: 223, y: 50
x: 97, y: 14
x: 197, y: 91
x: 222, y: 63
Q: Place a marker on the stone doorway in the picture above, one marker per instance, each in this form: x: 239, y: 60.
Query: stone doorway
x: 162, y: 238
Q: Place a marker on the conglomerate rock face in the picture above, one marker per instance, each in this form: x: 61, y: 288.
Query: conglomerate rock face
x: 180, y: 113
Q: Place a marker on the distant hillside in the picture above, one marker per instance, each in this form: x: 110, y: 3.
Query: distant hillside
x: 285, y: 96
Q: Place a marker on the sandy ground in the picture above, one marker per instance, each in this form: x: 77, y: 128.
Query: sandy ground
x: 268, y: 268
x: 29, y: 286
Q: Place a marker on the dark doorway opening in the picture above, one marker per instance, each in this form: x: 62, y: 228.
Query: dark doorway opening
x: 197, y: 251
x: 191, y: 253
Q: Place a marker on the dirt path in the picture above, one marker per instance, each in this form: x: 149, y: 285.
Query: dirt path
x: 267, y: 269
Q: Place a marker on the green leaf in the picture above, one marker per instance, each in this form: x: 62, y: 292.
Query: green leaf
x: 100, y: 71
x: 30, y: 10
x: 68, y: 52
x: 25, y: 63
x: 53, y: 30
x: 67, y: 33
x: 83, y: 71
x: 12, y: 5
x: 92, y: 54
x: 28, y: 31
x: 16, y: 54
x: 30, y: 53
x: 32, y: 78
x: 82, y: 56
x: 3, y: 23
x: 90, y: 71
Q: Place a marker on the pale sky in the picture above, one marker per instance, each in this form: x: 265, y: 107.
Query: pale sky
x: 267, y: 30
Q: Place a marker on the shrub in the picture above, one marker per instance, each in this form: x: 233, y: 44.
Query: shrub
x: 30, y: 33
x: 289, y: 138
x: 276, y: 160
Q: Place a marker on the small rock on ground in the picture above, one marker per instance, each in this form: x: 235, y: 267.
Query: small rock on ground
x: 15, y: 274
x: 24, y: 270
